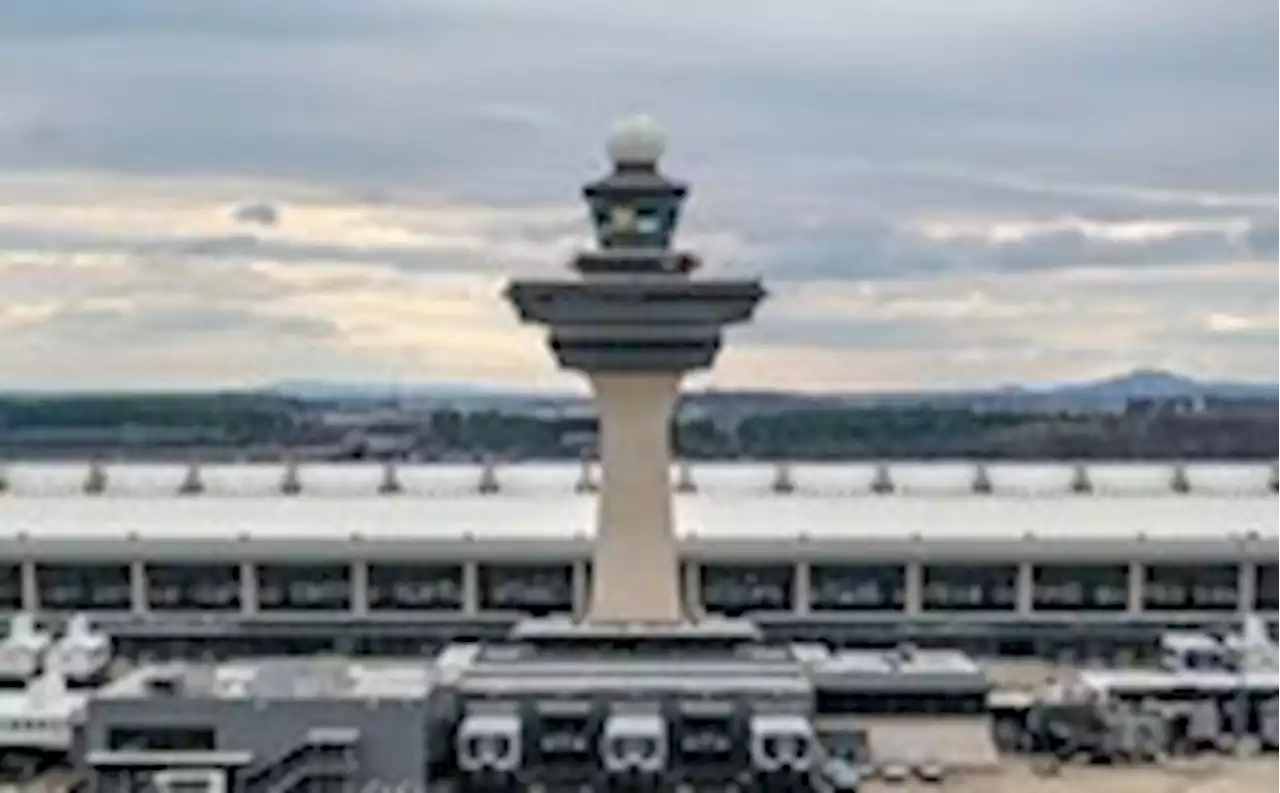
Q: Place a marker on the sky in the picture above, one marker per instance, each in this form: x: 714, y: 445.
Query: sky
x: 937, y: 194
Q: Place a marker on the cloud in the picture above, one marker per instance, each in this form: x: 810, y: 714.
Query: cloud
x: 960, y: 193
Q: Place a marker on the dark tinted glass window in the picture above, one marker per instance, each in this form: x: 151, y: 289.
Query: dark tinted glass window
x: 969, y: 587
x: 836, y: 587
x: 733, y: 590
x: 84, y: 587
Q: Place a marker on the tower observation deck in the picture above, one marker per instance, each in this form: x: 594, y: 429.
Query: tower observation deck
x: 635, y: 321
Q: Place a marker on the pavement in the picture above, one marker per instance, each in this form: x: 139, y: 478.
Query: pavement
x: 1028, y: 674
x: 1252, y: 775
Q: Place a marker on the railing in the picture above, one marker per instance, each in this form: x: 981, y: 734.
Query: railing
x: 324, y: 752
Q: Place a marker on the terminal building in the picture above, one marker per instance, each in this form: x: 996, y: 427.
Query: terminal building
x: 1002, y: 557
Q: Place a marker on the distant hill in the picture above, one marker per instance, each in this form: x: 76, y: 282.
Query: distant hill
x: 1108, y: 393
x: 1159, y: 384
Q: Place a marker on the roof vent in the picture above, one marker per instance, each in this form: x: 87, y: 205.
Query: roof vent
x: 1081, y: 485
x: 782, y: 481
x: 1179, y: 483
x: 192, y: 484
x: 586, y: 480
x: 1273, y: 481
x: 95, y: 481
x: 390, y: 484
x: 290, y: 483
x: 882, y: 482
x: 981, y: 484
x: 684, y: 479
x: 488, y: 484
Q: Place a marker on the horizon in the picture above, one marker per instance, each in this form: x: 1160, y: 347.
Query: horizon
x: 481, y: 389
x: 938, y: 197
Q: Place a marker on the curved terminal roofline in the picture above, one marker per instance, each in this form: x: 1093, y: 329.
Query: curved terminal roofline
x: 1103, y: 479
x: 722, y: 510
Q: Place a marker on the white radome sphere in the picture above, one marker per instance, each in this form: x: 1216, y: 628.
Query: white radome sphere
x: 637, y: 140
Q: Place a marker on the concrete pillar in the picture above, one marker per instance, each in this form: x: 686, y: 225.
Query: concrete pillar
x: 248, y: 588
x: 30, y: 590
x: 636, y: 557
x: 1026, y: 588
x: 914, y: 585
x: 359, y: 586
x: 693, y: 589
x: 138, y: 587
x: 1247, y: 587
x: 800, y: 588
x: 581, y: 588
x: 1137, y: 574
x: 470, y: 588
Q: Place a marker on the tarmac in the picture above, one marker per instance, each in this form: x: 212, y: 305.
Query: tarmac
x: 1228, y: 775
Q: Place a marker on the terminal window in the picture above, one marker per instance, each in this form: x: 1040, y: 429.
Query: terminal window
x: 193, y: 587
x: 1192, y: 587
x: 843, y: 587
x: 304, y: 587
x: 735, y: 589
x: 84, y: 587
x: 10, y: 587
x: 1074, y: 587
x: 1265, y: 597
x: 537, y: 589
x: 969, y: 587
x: 397, y: 587
x: 167, y: 738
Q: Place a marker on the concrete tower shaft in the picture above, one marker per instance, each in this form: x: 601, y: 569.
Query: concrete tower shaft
x: 635, y: 322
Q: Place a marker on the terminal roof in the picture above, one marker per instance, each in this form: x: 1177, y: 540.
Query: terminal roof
x: 558, y: 480
x: 706, y: 517
x: 277, y: 678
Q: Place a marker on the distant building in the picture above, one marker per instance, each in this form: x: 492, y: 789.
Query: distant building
x: 1165, y: 406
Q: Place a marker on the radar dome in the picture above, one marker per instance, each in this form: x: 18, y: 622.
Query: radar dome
x: 637, y: 140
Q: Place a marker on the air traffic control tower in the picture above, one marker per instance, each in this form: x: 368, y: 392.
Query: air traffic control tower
x: 635, y: 322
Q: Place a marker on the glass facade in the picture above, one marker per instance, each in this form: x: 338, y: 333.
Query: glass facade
x: 736, y: 589
x: 1080, y: 587
x: 408, y: 587
x: 841, y: 587
x: 193, y: 587
x: 84, y: 587
x: 304, y: 587
x: 167, y: 738
x: 10, y: 587
x: 536, y: 589
x: 1265, y: 598
x: 969, y: 587
x: 1191, y: 587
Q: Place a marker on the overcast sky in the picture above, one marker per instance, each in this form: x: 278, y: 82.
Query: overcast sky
x: 938, y: 193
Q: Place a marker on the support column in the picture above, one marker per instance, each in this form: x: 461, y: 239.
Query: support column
x: 470, y: 588
x: 636, y: 567
x: 693, y: 589
x: 138, y: 587
x: 800, y: 587
x: 914, y: 588
x: 1247, y: 587
x: 360, y: 586
x: 30, y: 591
x: 248, y: 588
x: 1137, y: 574
x: 581, y: 589
x: 1026, y: 588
